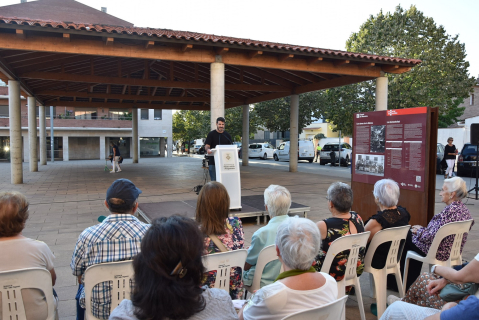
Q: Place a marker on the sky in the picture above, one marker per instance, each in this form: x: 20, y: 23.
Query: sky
x: 316, y: 23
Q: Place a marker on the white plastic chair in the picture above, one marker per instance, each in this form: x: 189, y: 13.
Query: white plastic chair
x: 119, y: 273
x: 458, y: 229
x: 352, y: 242
x: 265, y: 256
x: 331, y: 311
x: 11, y: 284
x: 223, y: 262
x: 378, y: 277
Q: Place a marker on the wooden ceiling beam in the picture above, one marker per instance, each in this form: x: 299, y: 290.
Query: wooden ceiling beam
x: 253, y: 54
x: 60, y: 93
x: 186, y: 47
x: 399, y: 70
x: 66, y: 37
x: 221, y: 51
x: 149, y: 44
x: 366, y: 65
x: 20, y: 33
x: 116, y: 105
x: 314, y: 60
x: 338, y: 63
x: 109, y: 41
x: 94, y: 47
x: 285, y: 75
x: 147, y: 82
x: 337, y: 82
x: 284, y: 57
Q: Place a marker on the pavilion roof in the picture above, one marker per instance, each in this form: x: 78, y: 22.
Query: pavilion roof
x: 97, y: 65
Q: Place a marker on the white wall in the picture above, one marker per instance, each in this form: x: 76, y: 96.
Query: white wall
x: 458, y: 134
x: 157, y: 128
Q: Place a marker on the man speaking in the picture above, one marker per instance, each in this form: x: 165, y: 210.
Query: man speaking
x: 214, y: 138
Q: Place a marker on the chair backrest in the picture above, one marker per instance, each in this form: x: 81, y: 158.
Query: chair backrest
x: 331, y: 311
x: 457, y: 228
x: 395, y: 235
x: 352, y: 242
x: 119, y: 273
x: 222, y: 263
x: 266, y: 255
x: 11, y: 284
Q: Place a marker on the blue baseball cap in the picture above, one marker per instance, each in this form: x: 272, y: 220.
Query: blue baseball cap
x: 123, y: 189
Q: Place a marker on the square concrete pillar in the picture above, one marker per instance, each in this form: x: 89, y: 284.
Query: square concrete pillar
x: 162, y: 147
x: 103, y: 147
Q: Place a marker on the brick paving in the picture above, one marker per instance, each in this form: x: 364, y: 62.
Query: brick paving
x: 67, y: 197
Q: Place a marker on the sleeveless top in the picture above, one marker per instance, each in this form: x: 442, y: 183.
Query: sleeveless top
x: 337, y: 228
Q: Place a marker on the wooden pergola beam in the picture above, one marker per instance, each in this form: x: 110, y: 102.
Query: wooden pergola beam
x: 146, y: 82
x: 83, y: 94
x: 116, y: 105
x: 241, y: 58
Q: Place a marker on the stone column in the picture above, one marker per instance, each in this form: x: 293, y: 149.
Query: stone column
x: 102, y: 148
x: 66, y: 149
x: 135, y: 139
x: 162, y: 147
x: 43, y: 135
x: 169, y: 144
x: 245, y: 140
x: 16, y: 168
x: 52, y: 138
x: 381, y: 93
x: 217, y: 83
x: 32, y: 134
x: 293, y: 133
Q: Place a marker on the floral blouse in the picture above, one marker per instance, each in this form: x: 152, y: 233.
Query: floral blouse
x: 456, y: 211
x: 337, y: 228
x: 233, y: 239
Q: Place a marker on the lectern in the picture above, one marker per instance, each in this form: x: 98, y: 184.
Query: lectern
x: 228, y: 172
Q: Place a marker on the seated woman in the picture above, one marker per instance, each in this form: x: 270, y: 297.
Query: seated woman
x: 299, y: 287
x: 277, y: 201
x: 19, y: 252
x: 168, y: 277
x: 419, y: 239
x: 343, y: 222
x: 422, y: 299
x: 390, y: 215
x: 221, y: 232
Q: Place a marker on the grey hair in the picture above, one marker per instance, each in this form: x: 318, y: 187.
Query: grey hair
x: 458, y: 185
x: 298, y: 241
x: 387, y: 192
x: 341, y: 195
x: 278, y: 200
x: 450, y: 138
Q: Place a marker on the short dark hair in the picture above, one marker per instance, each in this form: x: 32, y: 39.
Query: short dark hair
x: 13, y: 213
x: 213, y: 208
x: 158, y: 293
x: 117, y: 205
x: 220, y: 119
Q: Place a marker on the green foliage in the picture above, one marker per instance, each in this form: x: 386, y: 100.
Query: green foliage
x: 234, y: 122
x: 319, y: 136
x: 275, y: 114
x: 441, y: 80
x: 192, y: 124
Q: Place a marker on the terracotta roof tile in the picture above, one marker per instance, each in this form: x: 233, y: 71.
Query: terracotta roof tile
x: 193, y: 36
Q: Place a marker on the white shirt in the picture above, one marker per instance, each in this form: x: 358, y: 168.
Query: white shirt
x: 276, y: 301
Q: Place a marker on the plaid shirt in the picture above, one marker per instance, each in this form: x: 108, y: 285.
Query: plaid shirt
x: 117, y: 238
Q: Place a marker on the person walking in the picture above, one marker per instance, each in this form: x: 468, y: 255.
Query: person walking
x: 116, y: 157
x: 318, y: 152
x: 450, y: 153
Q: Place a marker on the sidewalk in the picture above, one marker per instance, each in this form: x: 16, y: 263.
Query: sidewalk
x: 67, y: 197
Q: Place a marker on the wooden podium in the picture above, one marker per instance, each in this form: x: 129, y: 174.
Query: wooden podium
x: 228, y: 172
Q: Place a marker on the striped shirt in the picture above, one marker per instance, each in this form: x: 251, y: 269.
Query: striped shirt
x: 117, y: 238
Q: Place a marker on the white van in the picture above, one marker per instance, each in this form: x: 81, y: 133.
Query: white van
x: 305, y: 151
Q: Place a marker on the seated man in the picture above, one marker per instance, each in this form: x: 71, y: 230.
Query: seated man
x: 277, y: 201
x: 117, y: 238
x: 465, y: 309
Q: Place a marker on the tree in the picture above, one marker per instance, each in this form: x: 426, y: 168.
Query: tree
x: 190, y: 124
x: 441, y: 80
x: 275, y: 114
x: 319, y: 136
x: 234, y: 122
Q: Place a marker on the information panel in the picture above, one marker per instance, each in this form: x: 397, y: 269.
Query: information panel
x: 391, y: 144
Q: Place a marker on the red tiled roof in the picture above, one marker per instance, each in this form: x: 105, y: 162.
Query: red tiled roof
x: 193, y: 36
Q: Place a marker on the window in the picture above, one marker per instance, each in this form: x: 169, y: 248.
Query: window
x: 267, y: 135
x: 157, y: 114
x: 471, y: 101
x: 119, y: 114
x: 281, y: 146
x: 4, y: 112
x: 82, y: 113
x: 144, y: 114
x: 47, y: 112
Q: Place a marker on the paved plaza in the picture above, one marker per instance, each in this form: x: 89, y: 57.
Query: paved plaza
x: 67, y: 197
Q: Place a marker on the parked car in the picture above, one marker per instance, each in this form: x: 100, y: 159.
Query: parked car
x: 440, y: 156
x: 196, y: 148
x: 305, y: 151
x: 346, y: 153
x: 260, y: 150
x: 201, y: 150
x: 466, y: 162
